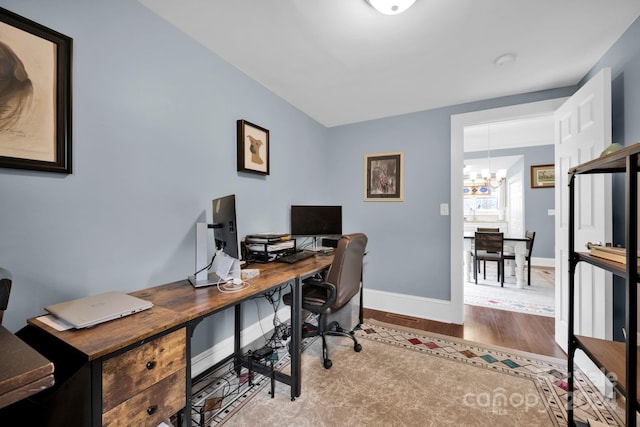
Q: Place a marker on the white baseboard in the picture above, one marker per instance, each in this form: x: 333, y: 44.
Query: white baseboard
x: 203, y: 361
x: 543, y: 262
x: 409, y: 305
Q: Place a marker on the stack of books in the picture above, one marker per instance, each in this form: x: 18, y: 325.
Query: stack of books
x: 265, y: 247
x: 610, y: 253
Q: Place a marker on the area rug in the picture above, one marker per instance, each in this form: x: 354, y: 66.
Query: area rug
x: 535, y: 299
x: 404, y: 377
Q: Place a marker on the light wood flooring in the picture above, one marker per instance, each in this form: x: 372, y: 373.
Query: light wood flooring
x: 526, y: 332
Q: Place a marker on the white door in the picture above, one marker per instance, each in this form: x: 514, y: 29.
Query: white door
x: 516, y: 201
x: 582, y: 131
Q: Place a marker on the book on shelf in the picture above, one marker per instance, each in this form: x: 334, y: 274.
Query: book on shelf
x: 610, y: 253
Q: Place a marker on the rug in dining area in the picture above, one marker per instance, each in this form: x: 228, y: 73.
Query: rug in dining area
x: 539, y: 298
x: 404, y: 377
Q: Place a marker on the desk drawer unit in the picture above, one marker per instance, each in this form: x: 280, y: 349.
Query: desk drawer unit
x: 146, y: 384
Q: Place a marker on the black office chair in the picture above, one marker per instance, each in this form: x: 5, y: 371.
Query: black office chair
x: 488, y: 247
x: 342, y: 283
x: 5, y: 289
x: 531, y: 235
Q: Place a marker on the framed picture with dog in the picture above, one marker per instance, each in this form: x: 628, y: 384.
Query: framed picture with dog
x: 253, y: 148
x: 384, y: 177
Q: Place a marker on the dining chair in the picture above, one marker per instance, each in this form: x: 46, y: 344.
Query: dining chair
x: 488, y: 247
x: 487, y: 230
x: 530, y: 235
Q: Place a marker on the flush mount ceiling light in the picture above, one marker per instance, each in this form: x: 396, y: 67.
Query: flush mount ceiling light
x: 506, y: 59
x: 391, y: 7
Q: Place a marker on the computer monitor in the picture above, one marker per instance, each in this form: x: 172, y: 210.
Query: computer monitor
x: 307, y: 220
x: 225, y: 231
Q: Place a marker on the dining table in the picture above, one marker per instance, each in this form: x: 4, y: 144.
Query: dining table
x: 516, y: 244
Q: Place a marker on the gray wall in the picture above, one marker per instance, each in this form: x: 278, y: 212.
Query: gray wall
x: 409, y: 241
x: 537, y: 201
x: 154, y: 140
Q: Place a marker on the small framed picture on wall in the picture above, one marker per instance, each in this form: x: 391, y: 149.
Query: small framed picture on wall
x: 253, y: 148
x: 384, y: 177
x: 543, y: 176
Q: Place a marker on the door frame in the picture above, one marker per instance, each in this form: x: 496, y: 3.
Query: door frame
x: 458, y: 123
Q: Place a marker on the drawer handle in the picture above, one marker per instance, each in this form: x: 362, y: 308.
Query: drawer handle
x: 151, y: 365
x: 152, y: 409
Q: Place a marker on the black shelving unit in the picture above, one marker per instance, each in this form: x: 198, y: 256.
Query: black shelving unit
x: 619, y: 358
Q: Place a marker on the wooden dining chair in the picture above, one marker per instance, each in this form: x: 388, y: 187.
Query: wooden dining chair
x: 488, y: 247
x: 530, y: 235
x: 487, y: 230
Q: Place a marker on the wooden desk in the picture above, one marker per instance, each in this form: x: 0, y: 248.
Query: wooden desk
x: 115, y: 371
x: 519, y: 244
x: 23, y: 371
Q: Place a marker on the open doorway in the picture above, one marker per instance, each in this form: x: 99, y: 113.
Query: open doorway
x: 508, y: 118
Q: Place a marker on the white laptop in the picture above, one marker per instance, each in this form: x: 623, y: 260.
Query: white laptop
x: 89, y: 311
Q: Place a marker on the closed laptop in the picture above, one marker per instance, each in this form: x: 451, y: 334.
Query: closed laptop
x: 92, y: 310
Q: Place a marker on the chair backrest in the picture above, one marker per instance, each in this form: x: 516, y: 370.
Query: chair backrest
x: 531, y: 235
x: 345, y: 272
x: 5, y: 289
x: 487, y: 230
x: 489, y: 242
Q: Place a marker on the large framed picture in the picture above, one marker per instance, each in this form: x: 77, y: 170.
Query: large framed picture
x: 35, y: 96
x: 383, y: 177
x: 543, y: 176
x: 253, y: 148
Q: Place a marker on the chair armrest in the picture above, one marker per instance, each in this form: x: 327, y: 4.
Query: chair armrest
x: 313, y: 298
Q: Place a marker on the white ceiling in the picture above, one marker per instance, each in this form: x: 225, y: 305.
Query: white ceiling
x: 340, y: 61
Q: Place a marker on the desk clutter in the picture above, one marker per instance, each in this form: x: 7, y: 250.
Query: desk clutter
x: 267, y: 247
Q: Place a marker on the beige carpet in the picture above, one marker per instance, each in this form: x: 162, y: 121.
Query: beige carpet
x: 409, y: 378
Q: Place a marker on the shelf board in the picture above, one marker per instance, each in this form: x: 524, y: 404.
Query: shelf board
x: 617, y: 268
x: 614, y: 162
x: 609, y: 355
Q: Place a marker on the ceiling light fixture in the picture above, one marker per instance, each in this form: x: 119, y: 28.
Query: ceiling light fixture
x: 391, y: 7
x: 504, y: 60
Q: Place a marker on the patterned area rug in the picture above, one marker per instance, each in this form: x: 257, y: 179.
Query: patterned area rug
x: 535, y: 299
x: 413, y: 378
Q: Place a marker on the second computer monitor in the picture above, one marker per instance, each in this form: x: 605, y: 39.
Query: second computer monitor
x: 225, y: 230
x: 308, y: 220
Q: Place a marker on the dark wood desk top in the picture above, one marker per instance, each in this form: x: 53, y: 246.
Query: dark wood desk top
x: 175, y: 304
x: 194, y: 303
x: 23, y: 371
x: 111, y: 336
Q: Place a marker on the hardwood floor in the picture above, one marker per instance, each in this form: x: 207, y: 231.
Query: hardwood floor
x: 526, y: 332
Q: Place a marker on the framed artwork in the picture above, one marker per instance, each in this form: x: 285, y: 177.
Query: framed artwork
x: 253, y: 148
x: 384, y: 177
x: 543, y: 176
x: 35, y: 97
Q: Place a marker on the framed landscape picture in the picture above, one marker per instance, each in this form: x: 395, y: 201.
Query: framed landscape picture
x: 384, y: 177
x: 35, y: 101
x: 253, y: 148
x: 543, y: 176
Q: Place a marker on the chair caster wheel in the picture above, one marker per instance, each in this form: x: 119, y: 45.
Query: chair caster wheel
x: 357, y: 348
x: 327, y: 364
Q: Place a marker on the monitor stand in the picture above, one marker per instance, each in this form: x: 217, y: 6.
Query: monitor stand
x: 317, y: 248
x: 202, y: 249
